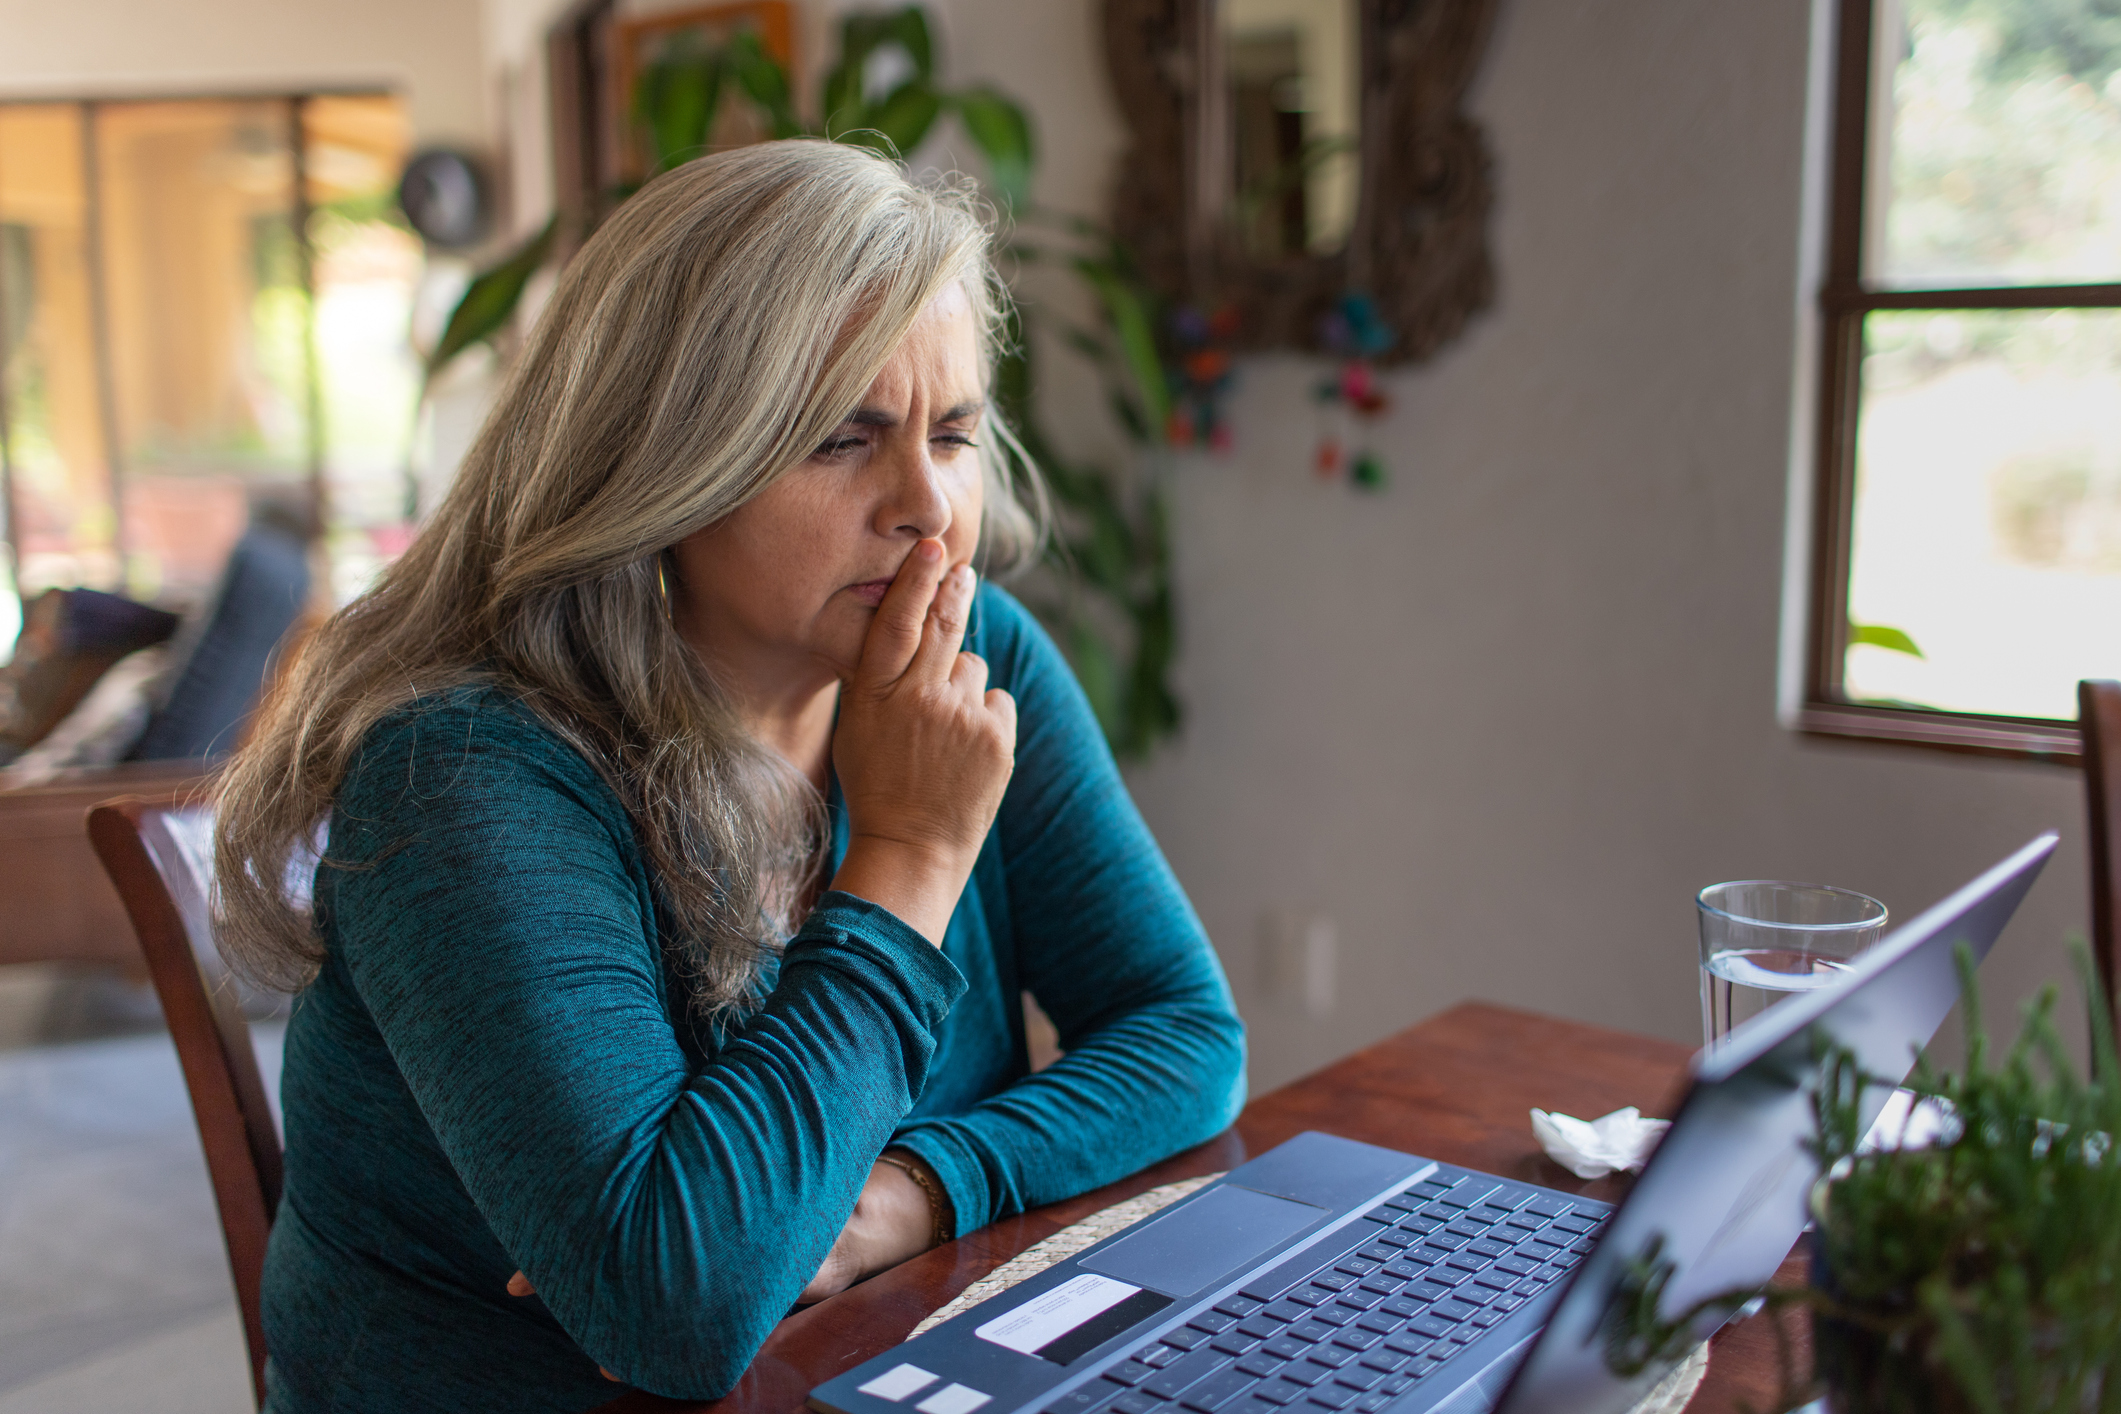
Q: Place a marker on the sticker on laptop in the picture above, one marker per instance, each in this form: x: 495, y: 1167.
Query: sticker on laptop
x: 1075, y: 1317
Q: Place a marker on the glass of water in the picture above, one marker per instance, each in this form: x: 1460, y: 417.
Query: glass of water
x: 1762, y: 939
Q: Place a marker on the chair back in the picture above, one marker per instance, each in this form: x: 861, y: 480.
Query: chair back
x: 153, y: 853
x: 2099, y: 722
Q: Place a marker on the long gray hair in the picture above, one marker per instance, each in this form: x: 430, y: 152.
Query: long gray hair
x: 708, y: 338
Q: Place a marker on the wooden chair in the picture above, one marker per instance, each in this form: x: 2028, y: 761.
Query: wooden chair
x: 2099, y: 720
x: 139, y: 842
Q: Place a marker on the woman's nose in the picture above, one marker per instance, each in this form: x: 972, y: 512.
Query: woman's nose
x: 916, y: 499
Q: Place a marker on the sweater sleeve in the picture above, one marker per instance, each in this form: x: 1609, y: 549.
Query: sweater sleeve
x: 493, y: 914
x: 1113, y: 951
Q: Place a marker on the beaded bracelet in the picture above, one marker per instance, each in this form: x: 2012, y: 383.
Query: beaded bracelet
x: 939, y: 1206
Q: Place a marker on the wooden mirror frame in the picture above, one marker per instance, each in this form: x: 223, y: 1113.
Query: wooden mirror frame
x: 1419, y: 244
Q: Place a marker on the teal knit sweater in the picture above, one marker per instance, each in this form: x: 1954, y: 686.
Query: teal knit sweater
x: 495, y: 1069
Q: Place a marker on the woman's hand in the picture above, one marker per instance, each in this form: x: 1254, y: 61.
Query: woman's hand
x: 891, y: 1222
x: 923, y: 748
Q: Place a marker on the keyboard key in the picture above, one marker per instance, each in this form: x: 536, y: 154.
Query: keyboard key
x: 1423, y: 1256
x: 1266, y: 1288
x: 1331, y: 1397
x: 1519, y: 1265
x: 1430, y: 1189
x: 1394, y: 1239
x: 1356, y: 1339
x: 1441, y: 1212
x: 1261, y: 1327
x: 1238, y: 1306
x: 1355, y: 1377
x: 1286, y: 1347
x: 1470, y: 1194
x: 1303, y: 1372
x: 1467, y: 1228
x: 1333, y: 1281
x: 1506, y: 1303
x: 1279, y: 1392
x: 1398, y: 1384
x: 1130, y: 1374
x: 1159, y: 1355
x: 1490, y: 1214
x: 1261, y: 1365
x: 1431, y: 1325
x: 1214, y: 1392
x: 1488, y: 1247
x: 1466, y: 1334
x: 1576, y: 1222
x: 1357, y: 1267
x: 1382, y: 1214
x: 1336, y: 1314
x: 1312, y: 1332
x: 1186, y: 1338
x: 1507, y: 1201
x: 1488, y: 1318
x: 1546, y: 1207
x: 1379, y: 1253
x: 1534, y: 1284
x: 1307, y: 1296
x: 1496, y: 1281
x: 1135, y: 1402
x: 1286, y: 1311
x: 1453, y: 1310
x: 1449, y: 1242
x: 1411, y: 1342
x: 1235, y: 1343
x: 1427, y: 1291
x: 1406, y: 1201
x: 1213, y: 1322
x: 1529, y: 1221
x: 1330, y: 1356
x: 1383, y: 1322
x: 1469, y: 1261
x: 1414, y: 1222
x: 1385, y: 1362
x: 1168, y: 1382
x: 1581, y: 1246
x: 1370, y: 1403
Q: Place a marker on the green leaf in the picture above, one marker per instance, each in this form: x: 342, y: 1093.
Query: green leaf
x: 1002, y: 132
x: 1129, y: 314
x: 1879, y: 636
x: 904, y: 116
x: 764, y: 82
x: 909, y: 30
x: 489, y: 300
x: 675, y: 98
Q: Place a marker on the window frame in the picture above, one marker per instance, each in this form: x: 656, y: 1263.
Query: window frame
x: 1845, y: 298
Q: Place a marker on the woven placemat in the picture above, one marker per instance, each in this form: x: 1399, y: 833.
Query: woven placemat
x: 1669, y: 1397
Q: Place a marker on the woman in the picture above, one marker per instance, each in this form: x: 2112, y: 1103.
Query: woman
x: 695, y: 819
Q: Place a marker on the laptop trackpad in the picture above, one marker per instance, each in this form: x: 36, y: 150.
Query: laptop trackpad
x: 1180, y: 1251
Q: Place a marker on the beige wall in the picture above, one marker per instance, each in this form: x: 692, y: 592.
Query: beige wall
x: 427, y: 49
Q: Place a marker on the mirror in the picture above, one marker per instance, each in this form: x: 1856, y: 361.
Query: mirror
x: 1286, y: 155
x: 1289, y: 88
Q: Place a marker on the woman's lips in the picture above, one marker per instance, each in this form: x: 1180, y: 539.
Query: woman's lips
x: 872, y: 591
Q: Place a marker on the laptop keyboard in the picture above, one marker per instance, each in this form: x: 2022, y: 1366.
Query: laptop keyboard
x: 1437, y: 1265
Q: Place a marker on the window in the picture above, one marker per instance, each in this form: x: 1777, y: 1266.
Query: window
x: 1967, y: 535
x: 203, y: 305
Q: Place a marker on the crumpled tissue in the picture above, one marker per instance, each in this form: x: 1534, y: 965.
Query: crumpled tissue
x: 1596, y: 1147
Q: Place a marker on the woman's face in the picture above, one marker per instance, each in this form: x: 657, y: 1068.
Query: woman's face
x: 782, y: 589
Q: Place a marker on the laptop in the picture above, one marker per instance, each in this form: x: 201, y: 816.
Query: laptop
x: 1329, y: 1276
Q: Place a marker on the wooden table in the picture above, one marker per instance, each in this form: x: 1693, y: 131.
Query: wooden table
x: 1456, y: 1088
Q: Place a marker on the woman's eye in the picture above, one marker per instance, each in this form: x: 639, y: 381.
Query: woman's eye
x: 956, y: 441
x: 839, y: 446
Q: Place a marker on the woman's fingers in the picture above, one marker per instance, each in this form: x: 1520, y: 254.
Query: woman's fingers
x: 943, y: 633
x: 519, y: 1285
x: 901, y: 620
x: 1003, y: 708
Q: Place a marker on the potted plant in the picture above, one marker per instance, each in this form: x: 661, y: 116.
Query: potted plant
x: 1981, y: 1272
x: 1977, y: 1272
